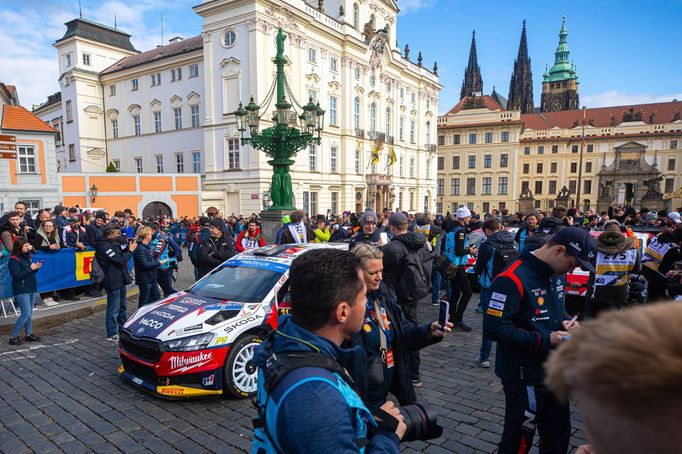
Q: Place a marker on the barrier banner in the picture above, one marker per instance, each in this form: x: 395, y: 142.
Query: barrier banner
x: 65, y: 268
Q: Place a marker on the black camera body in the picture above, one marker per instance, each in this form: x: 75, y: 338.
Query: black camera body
x: 420, y: 419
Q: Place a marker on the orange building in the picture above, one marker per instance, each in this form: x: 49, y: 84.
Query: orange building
x: 146, y: 195
x: 28, y: 165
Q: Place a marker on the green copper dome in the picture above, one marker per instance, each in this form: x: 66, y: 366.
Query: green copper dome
x: 562, y: 70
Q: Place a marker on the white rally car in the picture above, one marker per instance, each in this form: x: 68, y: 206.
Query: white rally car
x: 201, y: 341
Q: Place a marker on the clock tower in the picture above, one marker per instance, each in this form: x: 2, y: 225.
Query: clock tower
x: 560, y: 82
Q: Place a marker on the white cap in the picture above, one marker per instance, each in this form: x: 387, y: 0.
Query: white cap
x: 463, y: 212
x: 675, y: 216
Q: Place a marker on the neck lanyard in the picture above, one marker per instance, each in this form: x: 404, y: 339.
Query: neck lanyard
x: 383, y: 324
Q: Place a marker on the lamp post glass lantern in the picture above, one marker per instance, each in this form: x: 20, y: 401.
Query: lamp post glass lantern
x: 280, y: 142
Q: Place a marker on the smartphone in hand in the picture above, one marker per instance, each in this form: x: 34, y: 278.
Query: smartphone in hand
x: 443, y: 314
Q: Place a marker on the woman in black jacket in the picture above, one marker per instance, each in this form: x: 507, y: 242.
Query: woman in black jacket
x: 25, y: 289
x: 47, y: 237
x: 145, y: 268
x: 385, y: 339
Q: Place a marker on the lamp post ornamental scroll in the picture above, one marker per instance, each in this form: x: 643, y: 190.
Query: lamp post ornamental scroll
x: 282, y: 141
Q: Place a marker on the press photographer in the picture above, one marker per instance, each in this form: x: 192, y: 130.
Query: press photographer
x: 306, y: 401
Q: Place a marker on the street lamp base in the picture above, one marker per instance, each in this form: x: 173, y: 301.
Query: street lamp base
x: 271, y: 222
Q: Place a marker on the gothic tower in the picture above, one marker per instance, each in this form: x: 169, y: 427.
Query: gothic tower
x: 473, y: 83
x: 560, y: 82
x: 521, y: 85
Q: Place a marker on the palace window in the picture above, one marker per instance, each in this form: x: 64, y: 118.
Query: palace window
x: 456, y: 139
x: 441, y: 187
x: 487, y: 185
x: 526, y: 168
x: 135, y: 84
x: 502, y: 185
x: 669, y: 185
x: 193, y: 71
x: 555, y: 149
x: 541, y: 150
x: 552, y: 167
x: 333, y: 160
x: 412, y: 131
x: 412, y: 168
x: 388, y: 121
x: 454, y: 186
x: 356, y: 113
x: 332, y: 111
x: 504, y: 160
x: 138, y: 165
x: 180, y: 162
x: 574, y: 167
x: 195, y: 116
x: 357, y: 162
x: 159, y: 163
x: 552, y: 187
x: 671, y: 164
x: 455, y: 163
x: 471, y: 186
x: 177, y: 113
x: 472, y: 138
x: 505, y: 136
x: 137, y: 126
x: 441, y: 140
x: 233, y: 161
x: 472, y: 161
x: 526, y: 150
x: 157, y: 121
x: 441, y: 162
x: 312, y: 158
x: 196, y: 162
x: 487, y: 161
x: 373, y: 117
x: 590, y: 148
x: 114, y: 128
x: 587, y: 187
x: 588, y: 167
x: 538, y: 187
x: 538, y: 167
x: 488, y: 137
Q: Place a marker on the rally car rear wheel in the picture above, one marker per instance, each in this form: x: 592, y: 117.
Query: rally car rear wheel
x: 240, y: 375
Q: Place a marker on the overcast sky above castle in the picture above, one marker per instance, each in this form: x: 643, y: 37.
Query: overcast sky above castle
x: 625, y: 51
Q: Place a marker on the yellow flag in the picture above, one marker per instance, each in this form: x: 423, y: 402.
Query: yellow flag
x: 391, y: 156
x: 375, y: 154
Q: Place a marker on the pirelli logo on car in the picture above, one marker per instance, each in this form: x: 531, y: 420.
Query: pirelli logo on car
x: 494, y: 312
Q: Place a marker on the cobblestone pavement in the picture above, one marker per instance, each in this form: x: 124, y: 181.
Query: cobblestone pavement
x: 63, y: 395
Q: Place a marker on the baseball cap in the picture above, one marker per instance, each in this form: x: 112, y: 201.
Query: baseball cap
x: 675, y: 216
x: 368, y: 216
x: 204, y: 221
x: 397, y: 219
x: 100, y: 215
x: 463, y: 212
x: 579, y: 243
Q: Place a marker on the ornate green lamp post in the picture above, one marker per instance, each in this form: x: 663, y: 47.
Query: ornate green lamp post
x: 282, y: 141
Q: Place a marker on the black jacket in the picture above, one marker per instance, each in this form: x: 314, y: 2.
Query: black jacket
x: 145, y: 265
x: 114, y: 262
x: 95, y: 235
x: 362, y: 237
x: 214, y: 251
x: 409, y: 337
x: 526, y: 305
x: 394, y: 259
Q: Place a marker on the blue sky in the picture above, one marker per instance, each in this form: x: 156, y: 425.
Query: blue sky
x: 625, y: 51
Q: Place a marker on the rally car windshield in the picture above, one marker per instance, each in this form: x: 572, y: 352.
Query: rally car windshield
x: 236, y: 281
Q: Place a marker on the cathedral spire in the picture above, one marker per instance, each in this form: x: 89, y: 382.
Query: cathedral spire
x: 521, y: 84
x: 473, y: 83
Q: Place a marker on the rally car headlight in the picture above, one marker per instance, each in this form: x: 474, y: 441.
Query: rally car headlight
x: 188, y: 344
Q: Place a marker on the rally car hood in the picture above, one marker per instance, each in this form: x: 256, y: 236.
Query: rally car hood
x: 184, y: 314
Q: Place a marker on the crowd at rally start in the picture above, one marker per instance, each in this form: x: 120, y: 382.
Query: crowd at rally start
x: 353, y: 326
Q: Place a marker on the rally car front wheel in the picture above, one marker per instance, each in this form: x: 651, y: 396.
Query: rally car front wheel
x: 240, y: 375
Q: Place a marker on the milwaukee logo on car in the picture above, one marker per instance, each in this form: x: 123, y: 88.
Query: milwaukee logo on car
x: 184, y: 363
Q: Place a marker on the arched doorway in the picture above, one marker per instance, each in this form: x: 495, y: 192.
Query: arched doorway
x: 156, y: 209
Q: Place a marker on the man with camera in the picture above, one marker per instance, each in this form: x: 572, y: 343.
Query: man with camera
x: 305, y: 399
x: 113, y: 257
x: 525, y: 315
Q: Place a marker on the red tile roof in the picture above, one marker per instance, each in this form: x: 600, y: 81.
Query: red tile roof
x: 170, y: 50
x: 488, y: 102
x: 601, y: 117
x: 19, y: 119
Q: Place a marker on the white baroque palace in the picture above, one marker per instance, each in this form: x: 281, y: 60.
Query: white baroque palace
x: 170, y: 109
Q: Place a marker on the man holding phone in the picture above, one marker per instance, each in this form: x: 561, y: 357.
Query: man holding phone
x: 526, y: 317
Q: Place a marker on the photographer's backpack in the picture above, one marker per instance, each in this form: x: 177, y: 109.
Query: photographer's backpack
x: 415, y: 281
x: 503, y: 255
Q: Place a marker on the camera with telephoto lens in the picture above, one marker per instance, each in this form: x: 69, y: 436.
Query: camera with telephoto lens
x: 420, y: 419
